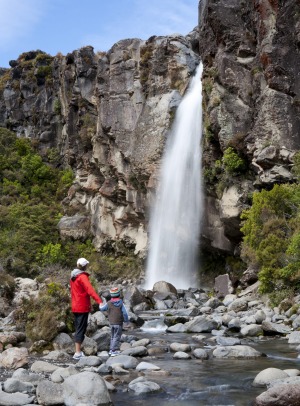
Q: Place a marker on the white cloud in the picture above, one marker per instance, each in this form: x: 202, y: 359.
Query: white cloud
x: 18, y: 19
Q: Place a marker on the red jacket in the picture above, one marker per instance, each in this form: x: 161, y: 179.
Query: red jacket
x: 81, y: 290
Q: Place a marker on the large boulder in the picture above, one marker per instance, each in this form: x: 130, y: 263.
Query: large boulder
x: 164, y: 287
x: 281, y: 395
x: 14, y: 358
x: 85, y: 388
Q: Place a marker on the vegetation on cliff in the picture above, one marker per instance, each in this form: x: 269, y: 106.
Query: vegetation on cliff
x: 271, y: 241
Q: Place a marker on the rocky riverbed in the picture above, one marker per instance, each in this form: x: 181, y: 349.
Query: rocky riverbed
x: 182, y: 347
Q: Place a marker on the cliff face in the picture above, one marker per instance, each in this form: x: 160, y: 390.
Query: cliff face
x: 107, y: 117
x: 251, y: 58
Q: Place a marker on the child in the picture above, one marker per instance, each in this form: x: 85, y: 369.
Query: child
x: 117, y: 314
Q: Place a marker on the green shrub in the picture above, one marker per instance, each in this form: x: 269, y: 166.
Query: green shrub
x: 232, y: 162
x: 43, y: 316
x: 271, y: 242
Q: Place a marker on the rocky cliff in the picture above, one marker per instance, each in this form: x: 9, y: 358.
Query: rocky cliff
x: 107, y: 116
x: 251, y: 55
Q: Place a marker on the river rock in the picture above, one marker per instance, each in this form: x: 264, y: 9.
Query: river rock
x: 181, y: 355
x: 96, y: 321
x: 228, y: 299
x: 268, y: 375
x: 57, y: 356
x: 274, y: 328
x: 292, y: 372
x: 200, y: 353
x: 201, y: 324
x: 63, y: 342
x: 49, y: 393
x: 174, y: 347
x: 14, y: 358
x: 141, y: 385
x: 136, y: 351
x: 24, y: 375
x: 90, y: 346
x: 164, y: 287
x: 294, y: 337
x: 260, y: 316
x: 126, y: 360
x: 143, y: 342
x: 85, y: 387
x: 177, y: 328
x: 44, y: 367
x: 12, y: 385
x: 15, y: 399
x: 223, y: 285
x: 238, y: 305
x: 236, y: 351
x: 281, y: 395
x: 102, y: 338
x: 225, y: 341
x: 60, y: 374
x: 91, y: 361
x: 251, y: 330
x: 147, y: 366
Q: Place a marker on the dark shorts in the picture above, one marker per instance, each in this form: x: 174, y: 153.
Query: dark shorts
x: 81, y: 322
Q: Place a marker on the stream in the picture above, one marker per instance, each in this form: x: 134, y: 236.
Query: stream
x: 209, y: 382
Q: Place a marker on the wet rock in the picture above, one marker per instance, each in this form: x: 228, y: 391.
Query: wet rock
x: 238, y: 305
x: 174, y: 347
x: 268, y: 375
x: 141, y: 385
x: 181, y: 355
x: 225, y: 341
x: 177, y: 328
x: 143, y: 342
x: 236, y: 351
x: 200, y: 353
x: 147, y: 366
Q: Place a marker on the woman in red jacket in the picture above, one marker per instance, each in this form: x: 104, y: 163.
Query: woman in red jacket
x: 81, y: 291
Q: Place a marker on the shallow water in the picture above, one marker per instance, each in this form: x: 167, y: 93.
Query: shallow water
x: 211, y: 382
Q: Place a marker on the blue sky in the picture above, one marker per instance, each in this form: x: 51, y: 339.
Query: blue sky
x: 65, y: 25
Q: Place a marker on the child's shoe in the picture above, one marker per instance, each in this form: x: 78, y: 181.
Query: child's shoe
x: 115, y: 353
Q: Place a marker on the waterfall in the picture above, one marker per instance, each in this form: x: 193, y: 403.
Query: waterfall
x: 176, y: 215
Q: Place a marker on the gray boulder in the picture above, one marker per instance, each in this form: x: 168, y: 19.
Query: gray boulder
x: 141, y: 385
x: 236, y: 351
x: 201, y: 324
x: 268, y: 375
x: 281, y: 395
x: 85, y: 388
x: 49, y: 393
x: 127, y: 361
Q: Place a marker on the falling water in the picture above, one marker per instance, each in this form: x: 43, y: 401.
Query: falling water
x: 175, y: 219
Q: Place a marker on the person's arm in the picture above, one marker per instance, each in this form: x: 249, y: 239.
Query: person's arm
x: 125, y: 314
x: 103, y: 307
x: 89, y: 289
